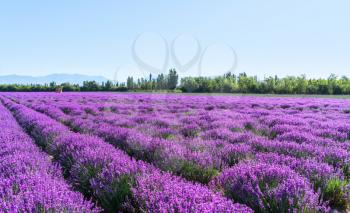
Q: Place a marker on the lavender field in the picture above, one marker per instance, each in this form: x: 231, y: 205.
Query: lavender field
x: 110, y: 152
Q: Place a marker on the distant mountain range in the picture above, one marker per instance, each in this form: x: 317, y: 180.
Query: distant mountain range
x: 58, y: 78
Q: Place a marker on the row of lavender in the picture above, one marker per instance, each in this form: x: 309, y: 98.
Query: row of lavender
x: 29, y: 182
x: 324, y: 165
x: 112, y: 179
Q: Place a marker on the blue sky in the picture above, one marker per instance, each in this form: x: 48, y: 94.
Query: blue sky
x: 96, y: 37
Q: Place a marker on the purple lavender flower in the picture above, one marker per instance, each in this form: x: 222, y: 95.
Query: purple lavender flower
x: 29, y: 182
x: 266, y: 187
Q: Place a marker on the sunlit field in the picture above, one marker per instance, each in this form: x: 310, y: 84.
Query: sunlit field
x: 175, y: 153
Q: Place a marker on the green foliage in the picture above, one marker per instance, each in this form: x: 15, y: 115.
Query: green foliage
x: 15, y: 189
x: 68, y: 87
x: 172, y: 79
x: 91, y: 86
x: 190, y: 133
x: 130, y: 83
x: 116, y: 194
x: 337, y: 193
x: 235, y: 157
x: 84, y: 176
x: 112, y: 195
x: 194, y: 172
x: 162, y: 82
x: 346, y: 171
x: 228, y: 83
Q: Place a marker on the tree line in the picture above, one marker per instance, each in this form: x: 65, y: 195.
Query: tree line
x: 161, y: 82
x: 68, y: 87
x: 242, y: 83
x: 227, y: 83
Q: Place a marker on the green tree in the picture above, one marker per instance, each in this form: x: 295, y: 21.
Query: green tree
x: 130, y: 83
x: 172, y: 79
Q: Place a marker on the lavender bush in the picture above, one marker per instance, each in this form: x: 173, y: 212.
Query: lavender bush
x: 29, y: 182
x: 305, y: 141
x: 105, y: 174
x: 268, y: 188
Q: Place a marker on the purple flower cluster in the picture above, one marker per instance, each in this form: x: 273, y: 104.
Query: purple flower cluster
x: 266, y: 187
x: 202, y: 137
x: 29, y: 182
x: 109, y: 176
x: 166, y: 193
x: 165, y: 154
x: 316, y: 172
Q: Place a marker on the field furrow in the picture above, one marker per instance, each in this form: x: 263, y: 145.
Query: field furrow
x: 268, y: 153
x: 29, y: 181
x: 111, y: 178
